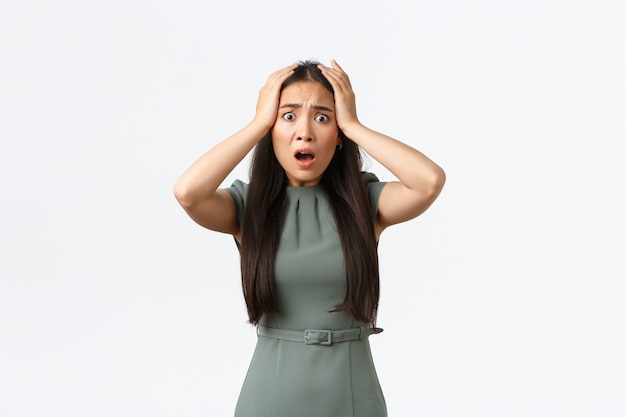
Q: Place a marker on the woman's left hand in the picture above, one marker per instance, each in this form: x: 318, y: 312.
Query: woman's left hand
x: 345, y: 102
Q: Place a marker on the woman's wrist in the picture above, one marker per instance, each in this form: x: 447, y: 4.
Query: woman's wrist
x: 352, y: 129
x: 259, y: 127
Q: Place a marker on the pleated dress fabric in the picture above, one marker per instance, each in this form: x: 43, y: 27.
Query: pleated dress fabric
x: 293, y: 379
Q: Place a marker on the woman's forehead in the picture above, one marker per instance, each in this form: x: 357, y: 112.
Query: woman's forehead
x: 307, y: 91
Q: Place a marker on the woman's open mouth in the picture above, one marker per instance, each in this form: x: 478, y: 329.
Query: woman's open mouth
x: 304, y: 158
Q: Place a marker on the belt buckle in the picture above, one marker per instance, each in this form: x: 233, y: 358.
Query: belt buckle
x: 327, y: 341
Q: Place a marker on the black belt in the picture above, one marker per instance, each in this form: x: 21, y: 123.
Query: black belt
x: 318, y: 337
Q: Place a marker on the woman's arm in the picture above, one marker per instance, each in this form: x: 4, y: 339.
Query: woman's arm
x: 420, y: 179
x: 197, y: 189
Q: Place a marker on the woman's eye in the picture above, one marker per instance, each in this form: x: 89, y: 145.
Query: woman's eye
x: 289, y: 116
x: 321, y: 118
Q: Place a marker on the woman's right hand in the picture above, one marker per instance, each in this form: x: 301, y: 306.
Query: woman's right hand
x: 269, y: 96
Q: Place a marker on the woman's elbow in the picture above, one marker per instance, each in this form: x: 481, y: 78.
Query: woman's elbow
x: 436, y: 182
x: 183, y: 194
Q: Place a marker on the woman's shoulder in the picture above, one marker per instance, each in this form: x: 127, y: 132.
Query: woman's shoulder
x: 369, y: 177
x: 238, y: 190
x: 371, y: 181
x: 238, y: 186
x: 373, y: 187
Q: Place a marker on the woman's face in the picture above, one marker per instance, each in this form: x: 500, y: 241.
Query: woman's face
x: 305, y: 134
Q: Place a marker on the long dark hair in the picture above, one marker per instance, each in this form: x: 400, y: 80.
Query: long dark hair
x: 265, y: 207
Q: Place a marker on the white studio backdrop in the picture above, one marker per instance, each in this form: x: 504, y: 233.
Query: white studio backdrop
x: 506, y: 298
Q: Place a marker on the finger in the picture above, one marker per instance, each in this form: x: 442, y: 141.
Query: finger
x: 283, y: 73
x: 338, y: 80
x: 335, y: 65
x: 333, y: 80
x: 289, y: 68
x: 339, y: 74
x: 330, y: 72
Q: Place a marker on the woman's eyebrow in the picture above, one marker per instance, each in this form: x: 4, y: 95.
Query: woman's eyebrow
x: 315, y: 107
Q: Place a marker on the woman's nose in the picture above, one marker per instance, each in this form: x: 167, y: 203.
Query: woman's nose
x: 304, y: 131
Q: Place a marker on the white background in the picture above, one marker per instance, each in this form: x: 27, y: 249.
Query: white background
x: 506, y: 298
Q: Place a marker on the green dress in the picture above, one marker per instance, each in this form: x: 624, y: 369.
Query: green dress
x: 293, y: 379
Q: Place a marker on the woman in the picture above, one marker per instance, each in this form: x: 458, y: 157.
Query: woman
x: 307, y: 227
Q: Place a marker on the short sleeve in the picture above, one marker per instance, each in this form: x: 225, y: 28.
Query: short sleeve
x: 239, y: 191
x: 374, y: 187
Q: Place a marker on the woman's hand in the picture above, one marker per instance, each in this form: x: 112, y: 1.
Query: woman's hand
x: 420, y: 180
x: 345, y: 102
x: 269, y: 96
